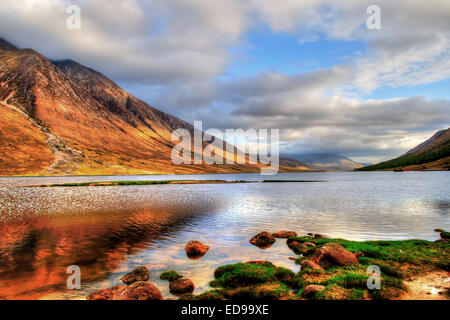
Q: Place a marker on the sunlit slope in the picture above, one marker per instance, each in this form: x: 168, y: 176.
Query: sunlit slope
x: 433, y: 154
x: 90, y: 124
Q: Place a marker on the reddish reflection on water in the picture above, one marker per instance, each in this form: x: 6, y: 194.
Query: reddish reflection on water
x: 36, y: 251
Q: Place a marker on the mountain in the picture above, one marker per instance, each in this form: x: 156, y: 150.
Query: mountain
x: 60, y: 117
x: 327, y: 162
x: 433, y: 154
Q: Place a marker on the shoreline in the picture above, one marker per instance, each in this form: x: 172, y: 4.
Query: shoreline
x: 159, y: 182
x: 330, y: 269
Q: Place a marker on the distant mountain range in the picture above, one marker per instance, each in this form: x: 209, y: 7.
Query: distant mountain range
x: 433, y: 154
x: 60, y: 117
x: 326, y: 162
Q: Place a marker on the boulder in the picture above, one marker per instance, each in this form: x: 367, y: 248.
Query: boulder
x: 311, y: 290
x: 284, y: 234
x: 263, y: 240
x: 320, y: 236
x: 308, y: 264
x: 196, y: 249
x: 333, y: 254
x: 181, y: 286
x: 108, y: 293
x: 138, y: 274
x: 136, y: 291
x: 170, y: 275
x: 309, y: 244
x: 296, y: 246
x: 141, y: 291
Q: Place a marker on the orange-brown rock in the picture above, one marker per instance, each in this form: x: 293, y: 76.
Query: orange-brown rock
x: 136, y: 291
x: 196, y: 249
x: 138, y: 274
x: 284, y: 234
x: 297, y: 246
x: 263, y: 240
x: 311, y: 290
x: 181, y: 286
x: 308, y: 264
x: 141, y: 291
x: 333, y: 254
x: 108, y: 293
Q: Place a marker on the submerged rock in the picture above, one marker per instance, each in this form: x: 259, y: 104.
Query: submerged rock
x: 445, y: 235
x: 142, y: 291
x: 170, y: 275
x: 196, y: 249
x: 136, y: 291
x: 138, y: 274
x: 311, y: 290
x: 181, y: 286
x: 333, y: 254
x: 263, y: 240
x: 284, y: 234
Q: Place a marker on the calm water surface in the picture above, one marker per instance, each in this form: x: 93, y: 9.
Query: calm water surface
x: 108, y: 231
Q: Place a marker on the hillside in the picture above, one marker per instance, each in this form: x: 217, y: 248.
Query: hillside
x: 327, y: 162
x: 433, y: 154
x: 60, y: 117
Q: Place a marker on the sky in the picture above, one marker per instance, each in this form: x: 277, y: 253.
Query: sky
x: 310, y: 68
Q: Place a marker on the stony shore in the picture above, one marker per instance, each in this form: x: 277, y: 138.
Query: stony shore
x: 330, y: 269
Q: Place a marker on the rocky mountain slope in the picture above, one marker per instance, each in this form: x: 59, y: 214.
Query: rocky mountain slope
x: 433, y: 154
x: 60, y: 117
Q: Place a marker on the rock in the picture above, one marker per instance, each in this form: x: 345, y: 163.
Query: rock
x: 181, y: 286
x: 359, y: 254
x: 263, y: 240
x: 292, y: 258
x: 196, y: 249
x: 311, y: 290
x: 320, y: 236
x: 141, y: 291
x: 284, y: 234
x: 136, y: 291
x: 297, y: 247
x: 438, y: 230
x: 170, y: 275
x: 138, y: 274
x: 309, y: 234
x: 445, y: 235
x: 107, y: 294
x: 332, y: 254
x: 309, y: 244
x: 308, y: 264
x: 442, y: 240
